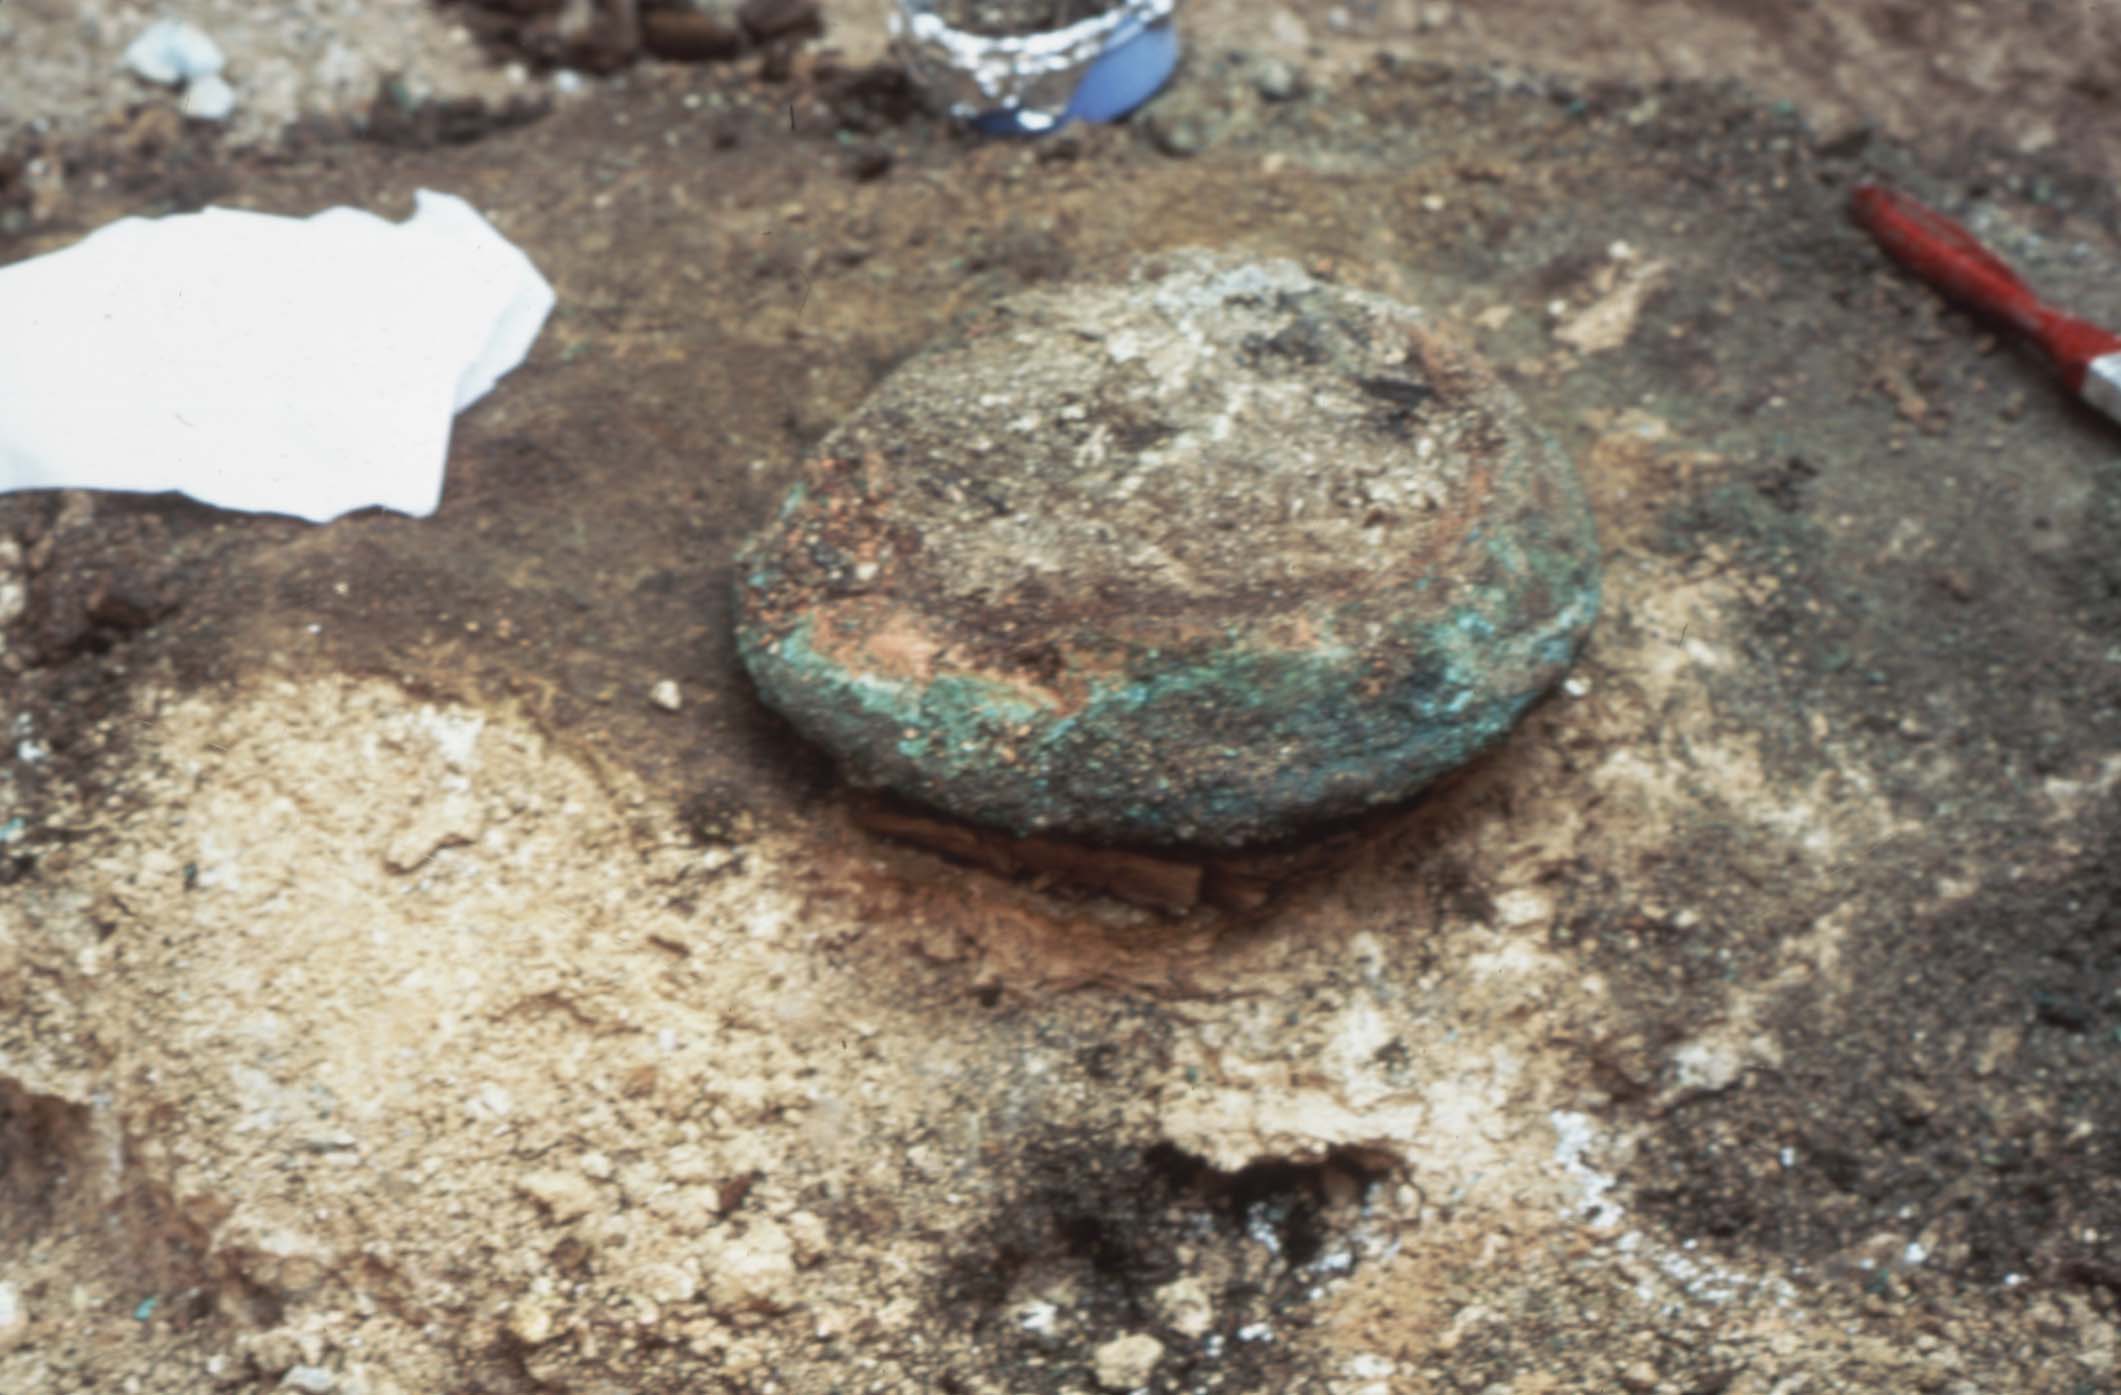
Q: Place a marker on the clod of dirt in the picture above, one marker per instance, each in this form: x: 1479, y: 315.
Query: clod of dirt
x: 1191, y: 557
x: 768, y: 21
x: 690, y: 36
x: 1126, y: 1363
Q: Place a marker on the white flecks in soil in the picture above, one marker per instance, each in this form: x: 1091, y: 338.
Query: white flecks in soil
x: 67, y: 73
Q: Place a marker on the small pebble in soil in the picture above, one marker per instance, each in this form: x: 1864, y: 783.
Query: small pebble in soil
x: 1277, y: 81
x: 1126, y: 1363
x: 209, y: 99
x: 1176, y: 133
x: 1188, y: 117
x: 172, y: 52
x: 1189, y: 557
x: 1186, y: 1307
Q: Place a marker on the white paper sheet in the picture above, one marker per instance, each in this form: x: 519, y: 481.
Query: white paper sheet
x: 307, y: 366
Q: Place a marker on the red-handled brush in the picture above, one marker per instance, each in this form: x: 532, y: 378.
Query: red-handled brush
x: 1947, y: 256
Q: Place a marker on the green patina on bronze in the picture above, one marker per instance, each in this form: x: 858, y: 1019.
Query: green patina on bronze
x: 1192, y: 558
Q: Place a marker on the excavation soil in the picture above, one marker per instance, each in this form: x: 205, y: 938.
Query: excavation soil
x: 401, y: 998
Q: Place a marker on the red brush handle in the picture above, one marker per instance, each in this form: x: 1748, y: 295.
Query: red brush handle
x: 1947, y: 256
